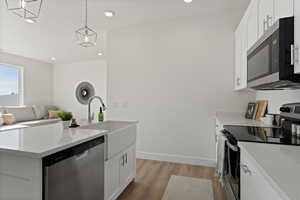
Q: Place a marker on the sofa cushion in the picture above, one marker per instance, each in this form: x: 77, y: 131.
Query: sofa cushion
x: 21, y: 113
x: 41, y: 112
x: 54, y: 114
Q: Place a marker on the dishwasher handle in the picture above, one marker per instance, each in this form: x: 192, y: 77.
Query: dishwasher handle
x: 82, y: 155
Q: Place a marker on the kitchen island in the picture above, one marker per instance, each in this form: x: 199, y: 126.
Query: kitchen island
x: 22, y: 152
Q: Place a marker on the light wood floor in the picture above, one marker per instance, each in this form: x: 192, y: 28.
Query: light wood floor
x: 153, y: 176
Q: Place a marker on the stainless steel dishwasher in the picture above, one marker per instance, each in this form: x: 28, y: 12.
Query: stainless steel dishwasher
x: 76, y: 173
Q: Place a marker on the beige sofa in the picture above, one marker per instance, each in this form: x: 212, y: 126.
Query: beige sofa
x: 28, y: 116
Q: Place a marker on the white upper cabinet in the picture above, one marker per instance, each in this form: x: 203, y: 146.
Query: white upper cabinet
x: 265, y: 15
x: 283, y: 8
x: 241, y: 56
x: 252, y: 23
x: 297, y: 35
x: 259, y: 17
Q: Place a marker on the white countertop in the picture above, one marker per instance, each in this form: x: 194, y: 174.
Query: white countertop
x: 280, y: 164
x: 238, y: 119
x: 40, y: 141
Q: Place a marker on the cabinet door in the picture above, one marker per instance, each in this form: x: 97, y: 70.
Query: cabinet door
x: 128, y: 166
x: 241, y: 56
x: 252, y: 23
x: 297, y: 34
x: 253, y: 184
x: 238, y: 58
x: 265, y: 15
x: 112, y: 173
x: 283, y: 8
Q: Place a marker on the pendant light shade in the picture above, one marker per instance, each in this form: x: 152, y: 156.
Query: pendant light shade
x: 27, y: 9
x: 86, y: 37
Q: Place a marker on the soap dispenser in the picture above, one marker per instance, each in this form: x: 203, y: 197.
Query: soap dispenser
x: 101, y: 115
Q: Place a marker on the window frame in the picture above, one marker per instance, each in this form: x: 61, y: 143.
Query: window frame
x: 20, y: 81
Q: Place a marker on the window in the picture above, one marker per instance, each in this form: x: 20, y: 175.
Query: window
x: 10, y: 86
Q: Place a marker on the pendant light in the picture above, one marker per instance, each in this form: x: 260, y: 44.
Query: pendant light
x: 86, y: 37
x: 29, y: 10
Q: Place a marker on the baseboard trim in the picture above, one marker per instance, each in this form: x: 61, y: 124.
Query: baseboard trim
x: 177, y: 159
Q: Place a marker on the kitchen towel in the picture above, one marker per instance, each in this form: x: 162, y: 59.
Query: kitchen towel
x: 220, y: 149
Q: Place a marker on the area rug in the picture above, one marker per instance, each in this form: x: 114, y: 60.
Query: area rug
x: 186, y: 188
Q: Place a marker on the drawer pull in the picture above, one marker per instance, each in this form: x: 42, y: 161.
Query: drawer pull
x: 246, y: 169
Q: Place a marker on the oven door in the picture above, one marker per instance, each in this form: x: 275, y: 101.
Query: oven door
x: 232, y: 171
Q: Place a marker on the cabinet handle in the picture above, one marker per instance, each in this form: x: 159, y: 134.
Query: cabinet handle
x: 265, y: 23
x: 123, y: 160
x: 295, y: 54
x: 268, y: 20
x: 238, y: 81
x: 246, y: 169
x: 292, y: 54
x: 126, y: 158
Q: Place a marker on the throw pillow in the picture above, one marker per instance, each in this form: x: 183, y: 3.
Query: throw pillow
x: 53, y: 114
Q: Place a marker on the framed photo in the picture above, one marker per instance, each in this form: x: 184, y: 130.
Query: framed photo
x: 251, y: 110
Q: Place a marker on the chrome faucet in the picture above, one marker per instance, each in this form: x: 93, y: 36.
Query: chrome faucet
x: 91, y: 116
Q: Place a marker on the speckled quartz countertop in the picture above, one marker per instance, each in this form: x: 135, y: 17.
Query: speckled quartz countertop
x: 238, y: 119
x: 279, y: 164
x: 40, y: 141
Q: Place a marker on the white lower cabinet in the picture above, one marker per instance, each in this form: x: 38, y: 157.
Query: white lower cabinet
x: 120, y: 170
x: 253, y: 184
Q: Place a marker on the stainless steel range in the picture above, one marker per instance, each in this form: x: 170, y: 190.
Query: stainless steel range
x: 285, y: 134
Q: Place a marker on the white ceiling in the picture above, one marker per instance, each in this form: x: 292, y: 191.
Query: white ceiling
x: 53, y: 35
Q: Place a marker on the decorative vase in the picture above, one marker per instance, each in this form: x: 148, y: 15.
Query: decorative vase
x: 66, y: 124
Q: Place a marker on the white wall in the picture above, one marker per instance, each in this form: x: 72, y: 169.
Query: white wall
x: 277, y: 98
x: 37, y: 77
x: 173, y: 76
x: 68, y: 76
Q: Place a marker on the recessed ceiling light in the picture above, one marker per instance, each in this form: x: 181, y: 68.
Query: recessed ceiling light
x: 31, y: 21
x: 100, y: 53
x: 188, y: 1
x: 53, y: 59
x: 109, y: 13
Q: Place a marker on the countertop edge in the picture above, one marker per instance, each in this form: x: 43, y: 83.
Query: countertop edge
x: 43, y: 154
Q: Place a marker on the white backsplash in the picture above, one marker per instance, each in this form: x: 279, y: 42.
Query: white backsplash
x: 277, y: 98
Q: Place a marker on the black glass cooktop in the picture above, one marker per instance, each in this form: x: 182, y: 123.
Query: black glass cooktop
x: 261, y: 135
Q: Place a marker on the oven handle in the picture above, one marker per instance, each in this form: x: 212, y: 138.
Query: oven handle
x: 232, y: 147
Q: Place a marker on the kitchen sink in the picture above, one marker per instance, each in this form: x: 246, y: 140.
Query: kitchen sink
x: 120, y: 135
x: 110, y: 126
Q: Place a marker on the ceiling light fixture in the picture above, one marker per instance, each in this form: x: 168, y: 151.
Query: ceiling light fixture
x: 188, y: 1
x: 109, y: 13
x: 53, y: 59
x: 26, y: 9
x: 100, y: 53
x: 86, y: 37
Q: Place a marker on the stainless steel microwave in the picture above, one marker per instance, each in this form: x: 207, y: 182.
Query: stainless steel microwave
x: 270, y: 61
